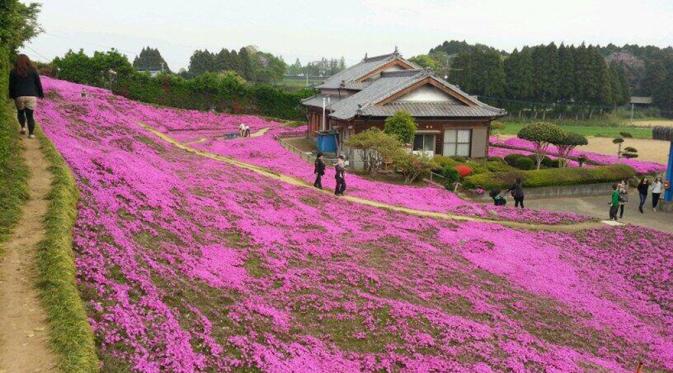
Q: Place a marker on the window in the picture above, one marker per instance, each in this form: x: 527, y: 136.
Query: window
x: 457, y: 143
x: 424, y: 142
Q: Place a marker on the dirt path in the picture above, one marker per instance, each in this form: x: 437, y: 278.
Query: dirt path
x: 363, y: 201
x: 260, y: 132
x: 24, y: 345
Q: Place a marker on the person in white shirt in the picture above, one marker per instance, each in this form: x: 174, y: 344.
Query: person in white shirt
x: 241, y: 130
x: 657, y: 189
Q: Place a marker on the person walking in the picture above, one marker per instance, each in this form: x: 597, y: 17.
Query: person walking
x: 340, y: 176
x: 24, y: 88
x: 319, y: 171
x: 623, y: 197
x: 614, y: 202
x: 643, y: 188
x: 517, y: 192
x: 657, y: 189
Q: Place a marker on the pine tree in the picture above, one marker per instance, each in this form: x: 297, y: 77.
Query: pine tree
x: 201, y: 62
x: 246, y: 64
x: 150, y: 60
x: 566, y: 73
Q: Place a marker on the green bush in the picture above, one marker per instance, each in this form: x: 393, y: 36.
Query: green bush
x: 497, y: 165
x: 550, y: 177
x: 511, y: 159
x: 402, y: 126
x: 524, y: 163
x: 450, y: 174
x: 440, y: 162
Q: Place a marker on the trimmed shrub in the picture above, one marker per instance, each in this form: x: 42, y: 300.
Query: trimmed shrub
x: 511, y: 159
x: 497, y: 165
x: 550, y: 177
x: 524, y: 163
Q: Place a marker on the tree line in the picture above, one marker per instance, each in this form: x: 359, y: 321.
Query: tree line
x: 323, y: 67
x: 599, y: 76
x: 224, y: 91
x: 544, y: 73
x: 250, y: 63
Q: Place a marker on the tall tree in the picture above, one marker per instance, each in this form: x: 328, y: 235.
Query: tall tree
x: 150, y: 59
x: 519, y: 74
x: 202, y: 61
x: 566, y: 73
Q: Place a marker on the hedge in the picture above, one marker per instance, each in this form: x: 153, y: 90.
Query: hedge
x: 550, y: 177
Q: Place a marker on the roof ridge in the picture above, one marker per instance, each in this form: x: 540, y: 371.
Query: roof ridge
x: 380, y: 57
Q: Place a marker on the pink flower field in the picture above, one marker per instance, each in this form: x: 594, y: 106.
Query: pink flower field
x: 188, y: 264
x: 641, y: 167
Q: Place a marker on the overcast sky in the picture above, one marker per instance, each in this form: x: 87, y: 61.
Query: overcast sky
x: 310, y: 29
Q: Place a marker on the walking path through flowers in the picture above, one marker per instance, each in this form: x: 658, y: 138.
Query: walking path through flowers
x: 363, y: 201
x: 23, y: 335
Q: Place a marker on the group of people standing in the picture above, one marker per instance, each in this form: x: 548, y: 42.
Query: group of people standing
x: 339, y: 175
x: 24, y: 88
x: 620, y: 196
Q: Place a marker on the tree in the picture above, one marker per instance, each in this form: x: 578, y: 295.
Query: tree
x: 425, y: 61
x: 201, y: 61
x: 412, y: 166
x: 630, y: 152
x: 566, y: 73
x: 402, y: 126
x: 567, y: 144
x: 377, y: 148
x: 150, y: 60
x: 19, y: 23
x: 519, y: 74
x: 618, y: 141
x: 541, y: 135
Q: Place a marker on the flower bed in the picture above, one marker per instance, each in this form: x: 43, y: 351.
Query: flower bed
x: 641, y: 167
x: 189, y: 264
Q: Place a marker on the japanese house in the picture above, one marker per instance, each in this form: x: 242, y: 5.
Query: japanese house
x: 450, y: 122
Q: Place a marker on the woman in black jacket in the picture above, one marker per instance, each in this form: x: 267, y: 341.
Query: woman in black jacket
x: 24, y: 88
x: 517, y: 192
x: 319, y: 171
x: 643, y: 188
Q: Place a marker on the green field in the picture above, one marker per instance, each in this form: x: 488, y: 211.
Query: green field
x: 595, y: 128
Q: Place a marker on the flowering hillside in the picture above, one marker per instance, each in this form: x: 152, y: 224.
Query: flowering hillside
x: 191, y: 264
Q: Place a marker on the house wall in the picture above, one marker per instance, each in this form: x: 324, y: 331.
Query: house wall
x: 479, y: 128
x: 427, y: 93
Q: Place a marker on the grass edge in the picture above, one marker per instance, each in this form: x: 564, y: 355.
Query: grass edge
x: 70, y: 334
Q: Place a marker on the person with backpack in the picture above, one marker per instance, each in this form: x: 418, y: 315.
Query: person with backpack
x: 517, y: 192
x: 319, y: 170
x: 24, y: 88
x: 340, y: 176
x: 643, y: 188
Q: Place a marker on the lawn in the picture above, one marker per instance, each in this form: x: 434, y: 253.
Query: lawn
x: 192, y: 263
x: 595, y: 128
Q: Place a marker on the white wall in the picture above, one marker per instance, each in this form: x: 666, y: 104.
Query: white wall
x: 426, y: 93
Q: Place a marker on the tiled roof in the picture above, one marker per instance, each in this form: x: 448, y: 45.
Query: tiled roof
x: 432, y: 109
x: 359, y: 70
